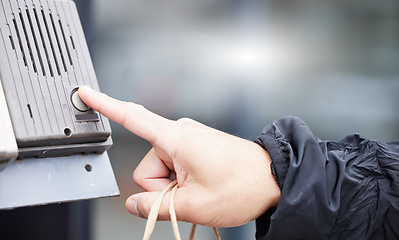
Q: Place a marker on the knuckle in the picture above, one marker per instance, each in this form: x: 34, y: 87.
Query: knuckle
x: 137, y: 177
x: 185, y: 127
x: 185, y: 121
x: 182, y: 131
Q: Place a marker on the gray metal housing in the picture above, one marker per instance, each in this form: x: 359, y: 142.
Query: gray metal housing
x: 60, y: 142
x: 44, y: 59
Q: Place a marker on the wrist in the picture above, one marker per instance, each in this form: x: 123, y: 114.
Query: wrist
x: 270, y: 189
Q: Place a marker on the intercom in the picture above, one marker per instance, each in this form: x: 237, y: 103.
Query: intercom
x: 44, y: 59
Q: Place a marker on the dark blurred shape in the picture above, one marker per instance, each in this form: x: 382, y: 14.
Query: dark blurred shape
x: 85, y: 9
x: 62, y: 222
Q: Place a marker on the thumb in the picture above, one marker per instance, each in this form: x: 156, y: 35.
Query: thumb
x: 140, y: 205
x: 186, y: 205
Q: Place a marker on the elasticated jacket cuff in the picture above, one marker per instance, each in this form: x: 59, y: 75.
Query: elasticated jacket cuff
x: 329, y: 190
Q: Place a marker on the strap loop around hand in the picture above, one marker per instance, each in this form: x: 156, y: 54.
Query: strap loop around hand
x: 156, y: 206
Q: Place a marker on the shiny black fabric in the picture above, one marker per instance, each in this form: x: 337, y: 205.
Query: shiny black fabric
x: 330, y: 190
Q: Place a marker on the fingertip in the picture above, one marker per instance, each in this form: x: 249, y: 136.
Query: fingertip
x: 131, y: 206
x: 84, y: 90
x: 98, y: 100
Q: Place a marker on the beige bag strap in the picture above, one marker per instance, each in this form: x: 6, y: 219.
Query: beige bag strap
x: 156, y: 206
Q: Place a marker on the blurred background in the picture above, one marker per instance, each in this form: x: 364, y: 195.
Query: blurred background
x: 237, y: 65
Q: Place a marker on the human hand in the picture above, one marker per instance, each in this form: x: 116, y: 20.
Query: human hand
x: 223, y: 180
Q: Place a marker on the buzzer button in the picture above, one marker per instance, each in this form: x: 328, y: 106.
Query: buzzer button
x: 77, y: 102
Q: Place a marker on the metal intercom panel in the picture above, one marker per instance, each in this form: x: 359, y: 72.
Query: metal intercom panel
x: 44, y: 59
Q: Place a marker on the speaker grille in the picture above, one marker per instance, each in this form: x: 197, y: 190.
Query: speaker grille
x: 29, y: 42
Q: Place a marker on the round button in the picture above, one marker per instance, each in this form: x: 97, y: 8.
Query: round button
x: 78, y: 103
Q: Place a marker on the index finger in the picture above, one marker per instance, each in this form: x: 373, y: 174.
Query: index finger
x: 133, y: 117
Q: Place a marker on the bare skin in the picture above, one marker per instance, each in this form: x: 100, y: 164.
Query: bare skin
x: 224, y: 180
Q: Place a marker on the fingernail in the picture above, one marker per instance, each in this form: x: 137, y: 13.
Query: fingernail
x: 132, y: 207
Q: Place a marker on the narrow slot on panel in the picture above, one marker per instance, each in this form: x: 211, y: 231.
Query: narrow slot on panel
x: 19, y: 41
x: 28, y: 42
x: 30, y: 111
x: 58, y: 42
x: 44, y: 44
x: 65, y: 41
x: 12, y: 43
x: 51, y: 43
x: 35, y: 40
x: 73, y: 43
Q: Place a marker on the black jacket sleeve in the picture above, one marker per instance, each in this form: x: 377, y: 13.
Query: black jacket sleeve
x: 330, y: 190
